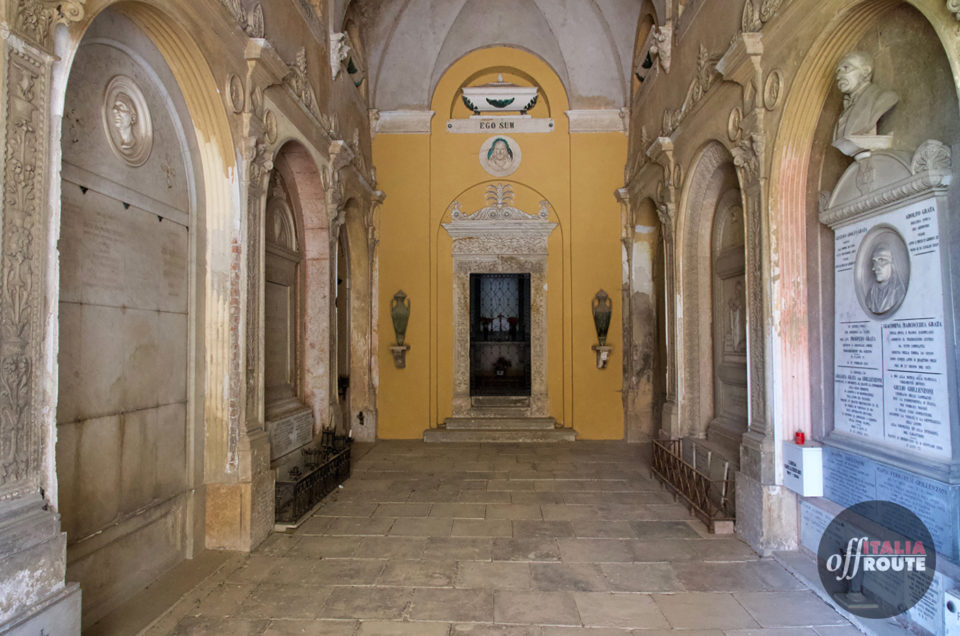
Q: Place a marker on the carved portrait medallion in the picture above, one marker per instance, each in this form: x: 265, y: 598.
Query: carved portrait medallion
x: 500, y: 156
x: 270, y: 126
x: 126, y: 120
x: 882, y: 272
x: 236, y: 93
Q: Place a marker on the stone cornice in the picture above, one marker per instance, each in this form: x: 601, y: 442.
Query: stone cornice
x: 402, y: 122
x: 598, y: 121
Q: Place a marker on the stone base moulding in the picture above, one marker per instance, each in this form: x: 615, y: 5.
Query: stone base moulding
x: 400, y: 355
x: 57, y: 614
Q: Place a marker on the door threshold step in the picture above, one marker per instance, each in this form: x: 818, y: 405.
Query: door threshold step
x: 500, y: 401
x: 444, y: 435
x: 500, y: 423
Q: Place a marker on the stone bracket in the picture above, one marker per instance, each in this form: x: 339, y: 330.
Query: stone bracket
x: 603, y: 355
x: 400, y: 355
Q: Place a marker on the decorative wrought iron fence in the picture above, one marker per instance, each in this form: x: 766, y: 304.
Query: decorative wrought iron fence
x: 710, y: 498
x: 324, y: 468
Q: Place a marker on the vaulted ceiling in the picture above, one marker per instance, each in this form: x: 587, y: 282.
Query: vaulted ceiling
x: 410, y: 43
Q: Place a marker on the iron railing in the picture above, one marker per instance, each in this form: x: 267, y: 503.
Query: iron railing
x: 710, y: 498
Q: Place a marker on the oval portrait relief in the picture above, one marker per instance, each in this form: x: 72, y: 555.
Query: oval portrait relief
x: 500, y: 156
x: 126, y: 120
x: 882, y: 273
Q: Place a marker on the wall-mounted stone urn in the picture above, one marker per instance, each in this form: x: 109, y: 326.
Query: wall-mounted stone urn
x: 602, y: 310
x: 400, y: 315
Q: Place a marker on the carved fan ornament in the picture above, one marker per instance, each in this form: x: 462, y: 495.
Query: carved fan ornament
x: 499, y: 197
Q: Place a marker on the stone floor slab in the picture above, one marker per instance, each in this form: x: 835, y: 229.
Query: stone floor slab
x: 385, y: 628
x: 482, y: 528
x: 702, y: 610
x: 451, y: 605
x: 538, y: 608
x: 310, y: 628
x: 367, y: 602
x: 789, y: 609
x: 496, y: 575
x: 631, y: 611
x: 418, y: 573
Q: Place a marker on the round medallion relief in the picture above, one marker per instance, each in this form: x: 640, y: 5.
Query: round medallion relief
x: 500, y: 156
x: 126, y: 120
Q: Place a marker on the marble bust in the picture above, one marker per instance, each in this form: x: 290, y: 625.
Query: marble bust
x: 124, y: 119
x: 863, y: 104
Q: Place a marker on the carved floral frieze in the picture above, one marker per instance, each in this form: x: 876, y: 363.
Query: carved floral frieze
x: 705, y: 78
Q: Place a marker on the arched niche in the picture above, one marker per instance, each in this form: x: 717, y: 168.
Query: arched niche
x: 710, y: 180
x: 729, y: 310
x: 132, y: 205
x: 306, y: 203
x: 283, y: 303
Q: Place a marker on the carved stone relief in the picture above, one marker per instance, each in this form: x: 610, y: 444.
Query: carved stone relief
x: 36, y: 18
x: 500, y: 155
x: 20, y: 269
x: 251, y: 22
x: 236, y: 93
x: 756, y: 13
x: 705, y: 78
x: 126, y: 121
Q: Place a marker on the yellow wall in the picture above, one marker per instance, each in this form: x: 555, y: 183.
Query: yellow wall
x: 423, y: 174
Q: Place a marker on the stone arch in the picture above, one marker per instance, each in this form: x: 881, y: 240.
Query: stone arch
x: 177, y: 85
x: 802, y: 340
x: 305, y: 185
x: 713, y: 174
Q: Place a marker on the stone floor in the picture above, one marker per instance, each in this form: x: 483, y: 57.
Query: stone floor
x: 513, y: 540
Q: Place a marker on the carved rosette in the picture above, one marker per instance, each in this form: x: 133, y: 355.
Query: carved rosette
x: 21, y: 271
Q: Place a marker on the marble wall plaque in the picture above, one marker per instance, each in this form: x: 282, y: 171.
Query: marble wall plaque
x: 500, y: 124
x: 290, y: 433
x: 849, y: 479
x: 813, y: 523
x: 890, y: 374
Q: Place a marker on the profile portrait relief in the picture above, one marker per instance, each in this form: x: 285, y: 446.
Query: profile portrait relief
x: 126, y: 121
x: 882, y: 272
x: 500, y: 156
x: 864, y: 103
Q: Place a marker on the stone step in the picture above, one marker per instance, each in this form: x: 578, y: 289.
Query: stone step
x: 443, y: 435
x: 500, y: 423
x: 500, y: 401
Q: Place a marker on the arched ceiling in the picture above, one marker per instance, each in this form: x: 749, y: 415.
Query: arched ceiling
x: 410, y: 43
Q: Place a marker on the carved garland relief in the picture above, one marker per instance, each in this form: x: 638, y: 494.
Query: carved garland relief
x: 19, y: 269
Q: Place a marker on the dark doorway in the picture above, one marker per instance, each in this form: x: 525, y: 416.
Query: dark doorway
x: 499, y: 334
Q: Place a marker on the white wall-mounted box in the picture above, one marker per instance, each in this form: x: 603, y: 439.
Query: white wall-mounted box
x: 803, y: 469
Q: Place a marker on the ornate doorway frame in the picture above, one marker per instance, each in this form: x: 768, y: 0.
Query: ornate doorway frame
x: 500, y: 239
